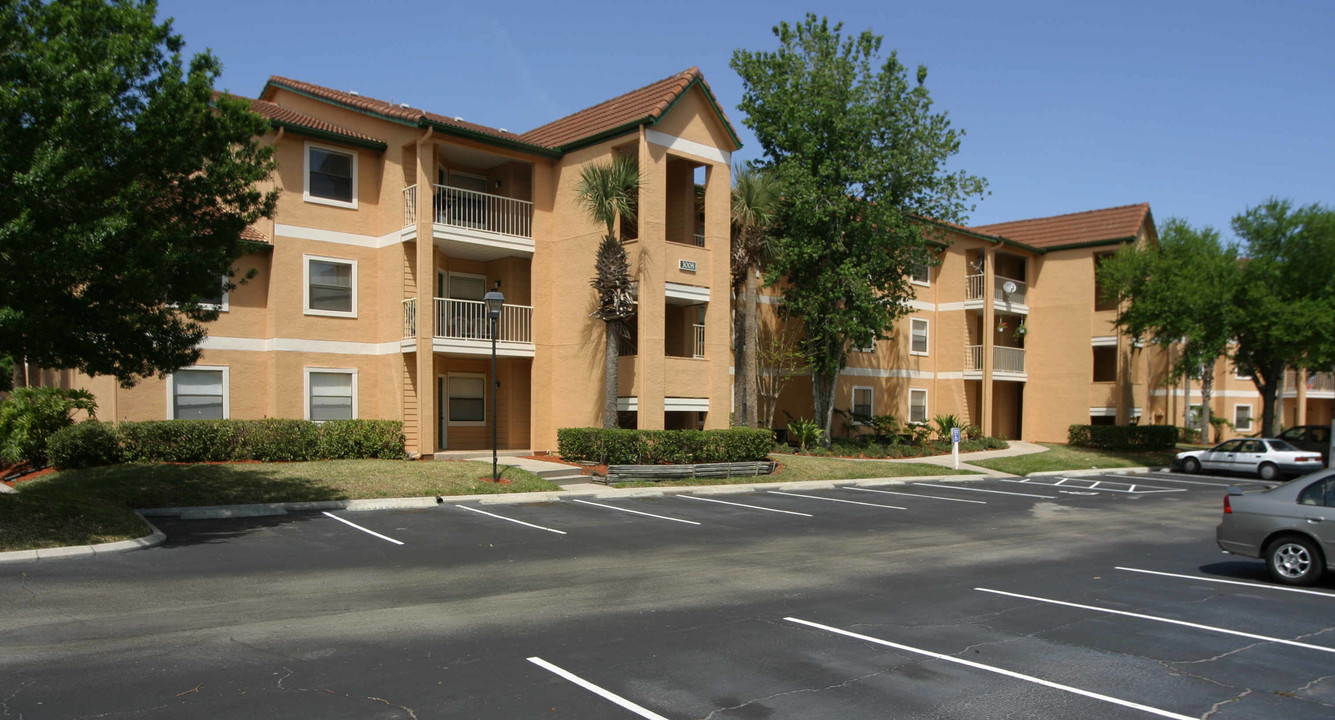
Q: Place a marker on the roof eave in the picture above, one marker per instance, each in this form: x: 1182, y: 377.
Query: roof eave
x: 490, y: 139
x: 329, y: 136
x: 713, y: 103
x: 1092, y: 243
x: 335, y: 103
x: 989, y: 238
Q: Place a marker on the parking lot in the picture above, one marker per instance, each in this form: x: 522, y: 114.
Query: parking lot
x: 1055, y: 596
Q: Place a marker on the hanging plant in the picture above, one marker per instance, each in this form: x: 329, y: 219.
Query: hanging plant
x: 1020, y: 330
x: 1001, y: 325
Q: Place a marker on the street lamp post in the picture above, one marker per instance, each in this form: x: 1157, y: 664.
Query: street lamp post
x: 494, y: 300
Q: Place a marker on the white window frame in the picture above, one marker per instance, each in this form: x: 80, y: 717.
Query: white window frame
x: 916, y: 281
x: 226, y: 389
x: 1192, y: 418
x: 306, y: 286
x: 306, y: 175
x: 466, y: 423
x: 224, y: 306
x: 926, y: 408
x: 306, y: 382
x: 1251, y: 418
x: 926, y: 333
x: 1237, y: 374
x: 869, y: 349
x: 871, y: 400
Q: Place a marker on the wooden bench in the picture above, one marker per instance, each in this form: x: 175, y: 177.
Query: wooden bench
x: 620, y: 473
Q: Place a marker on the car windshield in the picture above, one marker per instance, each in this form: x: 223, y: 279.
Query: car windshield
x: 1281, y: 446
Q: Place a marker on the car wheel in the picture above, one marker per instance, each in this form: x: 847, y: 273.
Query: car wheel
x: 1268, y: 472
x: 1191, y: 465
x: 1294, y: 560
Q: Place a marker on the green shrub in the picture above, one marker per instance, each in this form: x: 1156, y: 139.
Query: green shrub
x: 647, y: 447
x: 181, y: 441
x: 85, y: 444
x: 1123, y: 437
x: 1188, y: 435
x: 31, y: 415
x: 275, y: 440
x: 355, y: 439
x: 804, y: 432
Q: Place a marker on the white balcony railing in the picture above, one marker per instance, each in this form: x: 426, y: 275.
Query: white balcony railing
x: 461, y: 208
x: 410, y: 206
x: 699, y: 239
x: 1316, y: 382
x: 467, y: 320
x: 974, y: 287
x: 699, y: 341
x: 1016, y: 296
x: 973, y: 357
x: 1007, y: 359
x: 410, y: 318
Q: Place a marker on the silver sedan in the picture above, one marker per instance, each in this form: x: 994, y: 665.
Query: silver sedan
x: 1291, y: 527
x: 1266, y: 457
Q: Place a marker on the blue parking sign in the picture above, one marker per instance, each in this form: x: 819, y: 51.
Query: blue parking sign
x: 954, y: 435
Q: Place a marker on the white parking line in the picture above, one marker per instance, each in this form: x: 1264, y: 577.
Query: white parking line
x: 517, y: 522
x: 1231, y: 582
x: 637, y: 512
x: 974, y: 489
x: 753, y: 507
x: 1155, y: 618
x: 608, y: 694
x: 1095, y: 485
x: 850, y: 502
x: 997, y: 670
x: 930, y: 497
x: 359, y: 527
x: 1223, y: 482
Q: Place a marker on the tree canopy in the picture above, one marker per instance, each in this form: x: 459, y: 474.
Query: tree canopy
x: 859, y: 155
x: 125, y: 185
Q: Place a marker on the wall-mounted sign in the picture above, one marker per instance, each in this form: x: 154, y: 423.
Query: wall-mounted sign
x: 686, y: 265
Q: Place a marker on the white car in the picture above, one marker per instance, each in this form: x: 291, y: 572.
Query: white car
x: 1266, y: 457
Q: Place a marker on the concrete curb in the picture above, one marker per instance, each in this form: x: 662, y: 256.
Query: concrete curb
x: 152, y: 539
x: 1094, y: 471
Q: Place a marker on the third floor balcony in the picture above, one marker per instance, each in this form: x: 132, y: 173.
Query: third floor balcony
x: 472, y: 224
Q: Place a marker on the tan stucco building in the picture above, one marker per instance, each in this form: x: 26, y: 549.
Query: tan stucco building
x: 393, y: 222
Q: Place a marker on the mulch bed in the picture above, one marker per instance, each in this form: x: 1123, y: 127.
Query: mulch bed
x: 585, y: 469
x: 15, y: 474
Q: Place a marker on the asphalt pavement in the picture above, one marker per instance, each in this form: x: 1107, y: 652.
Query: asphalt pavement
x: 1052, y: 597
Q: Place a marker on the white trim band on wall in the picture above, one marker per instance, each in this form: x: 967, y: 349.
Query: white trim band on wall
x: 1103, y: 341
x: 628, y: 404
x: 333, y: 347
x: 685, y: 404
x: 679, y: 291
x: 690, y: 147
x: 1111, y: 412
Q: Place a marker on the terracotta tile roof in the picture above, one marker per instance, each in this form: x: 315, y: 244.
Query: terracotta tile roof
x: 287, y: 116
x: 253, y: 235
x: 646, y: 104
x: 1114, y: 223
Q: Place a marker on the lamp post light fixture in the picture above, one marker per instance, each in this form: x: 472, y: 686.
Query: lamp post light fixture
x: 494, y: 300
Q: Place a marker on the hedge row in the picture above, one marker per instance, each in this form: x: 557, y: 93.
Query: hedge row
x: 927, y: 449
x: 650, y: 447
x: 1124, y: 437
x: 93, y: 443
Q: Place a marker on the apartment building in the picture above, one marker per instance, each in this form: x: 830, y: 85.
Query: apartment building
x: 392, y: 223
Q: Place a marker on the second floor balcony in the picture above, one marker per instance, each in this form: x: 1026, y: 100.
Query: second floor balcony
x: 1319, y: 384
x: 472, y: 224
x: 462, y: 327
x: 1007, y: 362
x: 1004, y: 289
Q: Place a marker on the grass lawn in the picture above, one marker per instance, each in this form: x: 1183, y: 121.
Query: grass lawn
x: 801, y: 467
x: 81, y: 507
x: 1066, y: 457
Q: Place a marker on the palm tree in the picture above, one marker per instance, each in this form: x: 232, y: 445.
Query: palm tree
x: 755, y: 204
x: 606, y: 192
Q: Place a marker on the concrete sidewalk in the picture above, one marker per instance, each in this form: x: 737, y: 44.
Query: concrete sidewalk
x: 1017, y: 447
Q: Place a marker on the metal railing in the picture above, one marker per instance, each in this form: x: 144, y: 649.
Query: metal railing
x: 1007, y: 359
x: 457, y: 207
x: 699, y: 239
x: 699, y: 341
x: 1017, y: 296
x: 973, y: 357
x: 410, y: 206
x: 410, y: 317
x: 467, y: 320
x: 1316, y: 381
x: 974, y: 290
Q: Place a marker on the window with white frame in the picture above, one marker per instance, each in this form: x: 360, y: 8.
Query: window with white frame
x: 918, y: 336
x: 467, y: 399
x: 917, y: 405
x: 921, y: 274
x: 1239, y: 374
x: 331, y: 176
x: 869, y: 349
x: 862, y: 401
x: 331, y: 286
x: 199, y: 393
x: 1193, y: 415
x: 331, y: 394
x: 219, y: 301
x: 1242, y: 418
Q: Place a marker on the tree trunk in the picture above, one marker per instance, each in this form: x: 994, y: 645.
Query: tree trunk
x: 610, y: 363
x: 822, y: 391
x: 20, y: 370
x: 752, y: 341
x: 1207, y: 389
x: 740, y: 342
x: 1271, y: 390
x: 1186, y: 402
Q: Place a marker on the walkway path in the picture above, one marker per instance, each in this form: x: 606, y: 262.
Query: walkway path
x: 1017, y: 447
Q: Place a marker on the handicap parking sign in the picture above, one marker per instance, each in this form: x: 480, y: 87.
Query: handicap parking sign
x: 954, y: 435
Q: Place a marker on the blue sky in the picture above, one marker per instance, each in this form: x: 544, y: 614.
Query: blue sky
x: 1200, y: 108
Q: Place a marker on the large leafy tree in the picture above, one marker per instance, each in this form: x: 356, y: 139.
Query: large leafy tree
x: 1284, y: 308
x: 858, y: 153
x: 1178, y: 292
x: 755, y: 205
x: 608, y: 191
x: 124, y: 188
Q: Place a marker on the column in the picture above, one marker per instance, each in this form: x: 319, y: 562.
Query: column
x: 1300, y: 399
x: 428, y: 434
x: 988, y: 335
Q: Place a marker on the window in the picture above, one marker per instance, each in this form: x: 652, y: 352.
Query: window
x: 331, y: 176
x: 918, y: 336
x: 1105, y: 364
x: 1242, y: 418
x: 917, y: 405
x: 862, y: 405
x: 219, y: 301
x: 331, y: 394
x: 1239, y: 374
x: 198, y: 393
x: 1193, y: 415
x: 1321, y: 492
x: 331, y: 286
x: 468, y: 399
x: 921, y: 274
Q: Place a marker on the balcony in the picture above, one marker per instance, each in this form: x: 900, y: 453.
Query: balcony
x: 1007, y: 362
x: 1319, y: 384
x: 699, y: 351
x: 462, y: 327
x: 1008, y: 291
x: 473, y: 225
